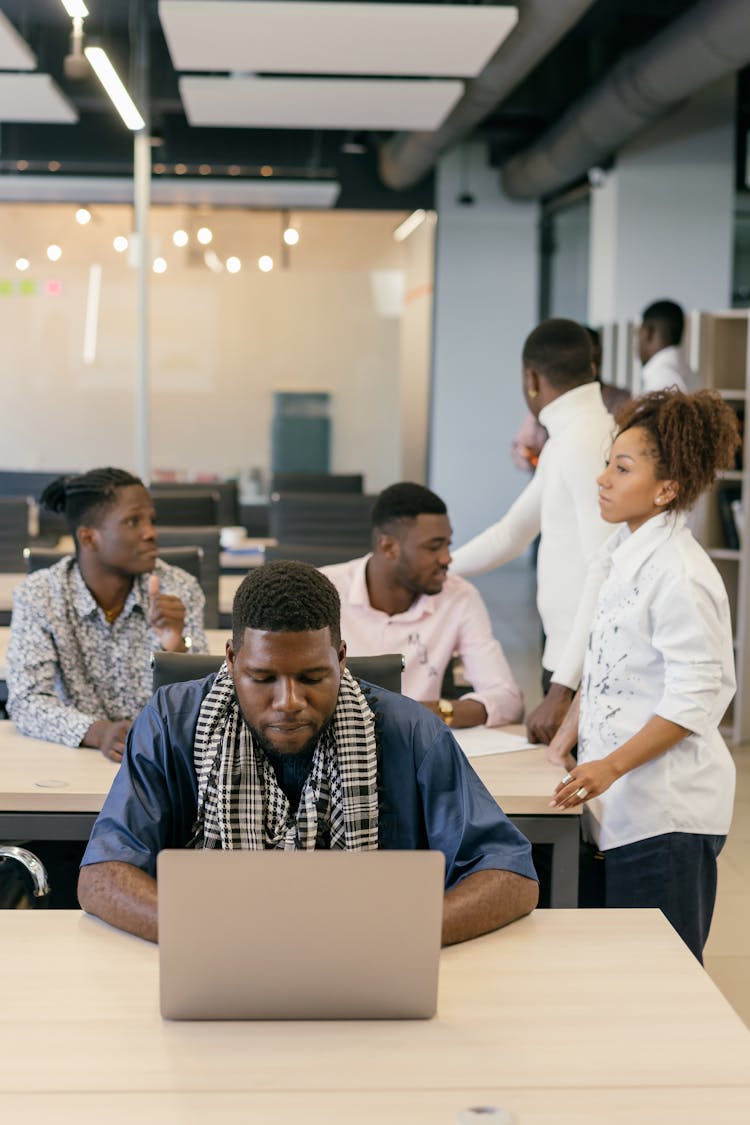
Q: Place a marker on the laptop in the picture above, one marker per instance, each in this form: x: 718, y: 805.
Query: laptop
x: 274, y: 935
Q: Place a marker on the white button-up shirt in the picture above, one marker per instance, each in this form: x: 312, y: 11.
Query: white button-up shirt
x: 428, y: 634
x: 660, y: 644
x: 668, y: 368
x: 562, y: 502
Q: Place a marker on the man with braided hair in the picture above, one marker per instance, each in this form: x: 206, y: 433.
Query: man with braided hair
x: 283, y: 748
x: 83, y: 630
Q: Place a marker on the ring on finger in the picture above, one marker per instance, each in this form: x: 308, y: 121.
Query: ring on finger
x: 568, y: 777
x: 582, y: 793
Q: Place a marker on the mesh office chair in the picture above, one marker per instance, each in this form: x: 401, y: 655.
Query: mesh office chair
x: 186, y: 508
x: 319, y: 518
x: 23, y: 879
x: 174, y: 667
x: 312, y: 553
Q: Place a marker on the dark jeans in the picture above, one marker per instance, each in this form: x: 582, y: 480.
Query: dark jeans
x: 674, y: 872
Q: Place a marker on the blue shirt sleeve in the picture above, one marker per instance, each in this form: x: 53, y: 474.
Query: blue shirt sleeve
x: 432, y: 798
x: 152, y: 802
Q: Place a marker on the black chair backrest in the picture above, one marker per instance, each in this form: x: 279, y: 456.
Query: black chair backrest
x: 180, y: 508
x: 174, y: 667
x: 188, y: 558
x: 317, y: 482
x: 322, y: 517
x: 226, y: 490
x: 39, y: 558
x: 313, y: 553
x: 254, y: 519
x: 26, y: 482
x: 14, y: 531
x: 207, y: 539
x: 384, y: 670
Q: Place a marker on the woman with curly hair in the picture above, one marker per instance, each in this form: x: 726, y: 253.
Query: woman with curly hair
x: 653, y: 773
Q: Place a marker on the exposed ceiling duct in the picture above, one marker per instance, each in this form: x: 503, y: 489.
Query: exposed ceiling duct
x: 709, y: 42
x: 407, y: 157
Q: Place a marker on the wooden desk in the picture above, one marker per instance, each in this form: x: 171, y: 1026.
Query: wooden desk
x: 563, y: 1016
x: 8, y: 583
x: 522, y: 783
x: 53, y: 792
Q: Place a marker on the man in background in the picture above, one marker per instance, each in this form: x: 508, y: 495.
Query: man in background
x: 659, y: 339
x: 401, y: 598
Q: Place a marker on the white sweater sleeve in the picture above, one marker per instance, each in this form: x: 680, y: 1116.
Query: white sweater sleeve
x: 507, y: 538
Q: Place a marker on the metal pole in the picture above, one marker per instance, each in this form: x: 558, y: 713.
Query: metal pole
x: 141, y: 202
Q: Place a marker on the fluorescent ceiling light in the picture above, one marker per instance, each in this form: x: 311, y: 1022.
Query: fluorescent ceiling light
x: 409, y: 225
x: 76, y: 9
x: 112, y: 83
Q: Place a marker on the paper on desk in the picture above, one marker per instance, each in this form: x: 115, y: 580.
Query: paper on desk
x: 476, y: 742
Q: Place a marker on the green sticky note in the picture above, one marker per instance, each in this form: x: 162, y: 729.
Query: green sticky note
x: 6, y: 287
x: 27, y: 287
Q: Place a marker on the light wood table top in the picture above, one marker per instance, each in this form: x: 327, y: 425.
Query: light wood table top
x: 560, y: 1003
x: 4, y: 638
x: 37, y: 776
x: 616, y: 1106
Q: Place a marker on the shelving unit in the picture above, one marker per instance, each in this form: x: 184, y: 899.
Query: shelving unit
x: 720, y: 349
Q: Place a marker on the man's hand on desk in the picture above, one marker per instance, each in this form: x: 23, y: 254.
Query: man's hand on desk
x: 542, y: 723
x: 108, y: 737
x: 466, y: 712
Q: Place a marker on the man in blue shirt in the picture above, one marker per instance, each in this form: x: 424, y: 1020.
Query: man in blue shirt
x: 283, y: 748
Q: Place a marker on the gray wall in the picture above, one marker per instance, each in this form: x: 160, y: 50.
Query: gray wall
x: 485, y: 306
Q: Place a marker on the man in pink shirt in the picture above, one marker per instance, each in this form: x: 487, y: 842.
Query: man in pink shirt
x: 401, y: 598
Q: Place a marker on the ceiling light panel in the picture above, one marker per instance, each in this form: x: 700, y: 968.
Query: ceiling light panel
x: 34, y: 98
x: 449, y: 40
x: 271, y: 193
x: 15, y: 53
x: 318, y: 103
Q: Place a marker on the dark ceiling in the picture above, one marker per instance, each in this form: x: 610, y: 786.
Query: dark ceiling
x: 99, y: 145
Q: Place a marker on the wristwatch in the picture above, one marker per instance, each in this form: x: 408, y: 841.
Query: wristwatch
x: 445, y: 707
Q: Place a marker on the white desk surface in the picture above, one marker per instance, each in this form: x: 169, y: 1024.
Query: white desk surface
x: 564, y: 1015
x: 8, y: 583
x: 37, y: 776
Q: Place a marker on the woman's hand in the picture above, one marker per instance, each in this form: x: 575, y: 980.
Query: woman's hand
x: 583, y: 782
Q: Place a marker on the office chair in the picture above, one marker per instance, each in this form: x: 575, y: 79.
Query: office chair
x: 319, y: 518
x: 14, y: 531
x: 186, y: 507
x: 23, y: 879
x: 174, y: 667
x: 207, y: 539
x: 187, y: 558
x: 226, y: 490
x: 317, y: 482
x: 313, y: 553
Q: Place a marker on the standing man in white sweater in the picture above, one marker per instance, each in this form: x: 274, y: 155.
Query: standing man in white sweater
x: 561, y: 500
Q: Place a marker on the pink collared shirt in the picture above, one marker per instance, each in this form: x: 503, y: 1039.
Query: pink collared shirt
x: 428, y: 634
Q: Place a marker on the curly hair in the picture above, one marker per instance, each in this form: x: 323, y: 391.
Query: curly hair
x: 692, y: 437
x: 286, y: 597
x: 84, y: 497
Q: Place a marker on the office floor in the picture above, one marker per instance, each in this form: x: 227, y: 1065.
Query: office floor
x: 509, y: 594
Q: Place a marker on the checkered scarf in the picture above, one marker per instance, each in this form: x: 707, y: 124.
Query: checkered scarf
x: 242, y: 805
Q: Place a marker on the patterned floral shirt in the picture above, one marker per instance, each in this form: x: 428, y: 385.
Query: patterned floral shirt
x: 68, y: 667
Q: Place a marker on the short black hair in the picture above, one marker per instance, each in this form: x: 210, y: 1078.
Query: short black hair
x: 668, y: 318
x: 286, y: 597
x: 561, y: 351
x: 405, y: 501
x: 83, y: 498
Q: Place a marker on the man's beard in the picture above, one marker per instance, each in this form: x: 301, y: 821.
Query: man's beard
x: 265, y: 744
